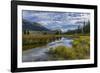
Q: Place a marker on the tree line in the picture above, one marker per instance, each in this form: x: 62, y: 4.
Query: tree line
x: 85, y: 29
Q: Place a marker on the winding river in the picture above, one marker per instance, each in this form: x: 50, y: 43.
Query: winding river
x: 40, y: 53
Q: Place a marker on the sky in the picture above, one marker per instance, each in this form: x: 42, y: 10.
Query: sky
x: 56, y: 20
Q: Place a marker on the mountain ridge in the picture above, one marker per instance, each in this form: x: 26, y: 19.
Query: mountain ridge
x: 33, y: 26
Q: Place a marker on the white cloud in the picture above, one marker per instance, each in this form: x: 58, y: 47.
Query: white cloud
x: 55, y: 20
x: 45, y: 23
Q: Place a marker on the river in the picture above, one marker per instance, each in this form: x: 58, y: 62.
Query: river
x: 41, y: 53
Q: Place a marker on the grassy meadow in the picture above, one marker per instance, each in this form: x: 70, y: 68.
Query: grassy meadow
x: 32, y: 41
x: 80, y: 50
x: 55, y: 35
x: 80, y: 46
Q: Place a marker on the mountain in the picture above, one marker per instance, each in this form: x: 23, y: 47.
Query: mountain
x: 34, y: 26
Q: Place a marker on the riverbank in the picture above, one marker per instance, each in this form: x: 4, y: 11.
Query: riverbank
x: 42, y: 53
x: 63, y: 49
x: 32, y: 41
x: 80, y: 50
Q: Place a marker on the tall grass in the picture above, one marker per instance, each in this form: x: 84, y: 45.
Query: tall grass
x: 32, y: 41
x: 80, y: 50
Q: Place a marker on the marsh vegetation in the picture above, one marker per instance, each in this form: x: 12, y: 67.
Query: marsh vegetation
x: 52, y: 36
x: 52, y: 50
x: 80, y: 50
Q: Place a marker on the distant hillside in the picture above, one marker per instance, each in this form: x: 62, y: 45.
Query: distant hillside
x: 33, y: 26
x: 85, y: 29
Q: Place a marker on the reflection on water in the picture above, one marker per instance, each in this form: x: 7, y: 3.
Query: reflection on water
x: 64, y: 41
x: 40, y: 53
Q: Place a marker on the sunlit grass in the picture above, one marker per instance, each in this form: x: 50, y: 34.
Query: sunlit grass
x: 80, y: 50
x: 80, y: 46
x: 32, y: 41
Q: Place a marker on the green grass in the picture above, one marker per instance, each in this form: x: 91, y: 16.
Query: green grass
x: 80, y: 46
x: 80, y: 50
x: 32, y: 41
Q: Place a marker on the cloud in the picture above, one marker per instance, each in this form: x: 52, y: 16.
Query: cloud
x: 55, y: 20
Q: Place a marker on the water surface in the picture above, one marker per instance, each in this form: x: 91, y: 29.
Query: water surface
x: 41, y: 53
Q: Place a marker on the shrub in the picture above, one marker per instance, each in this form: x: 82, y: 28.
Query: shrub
x: 63, y: 52
x: 80, y: 50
